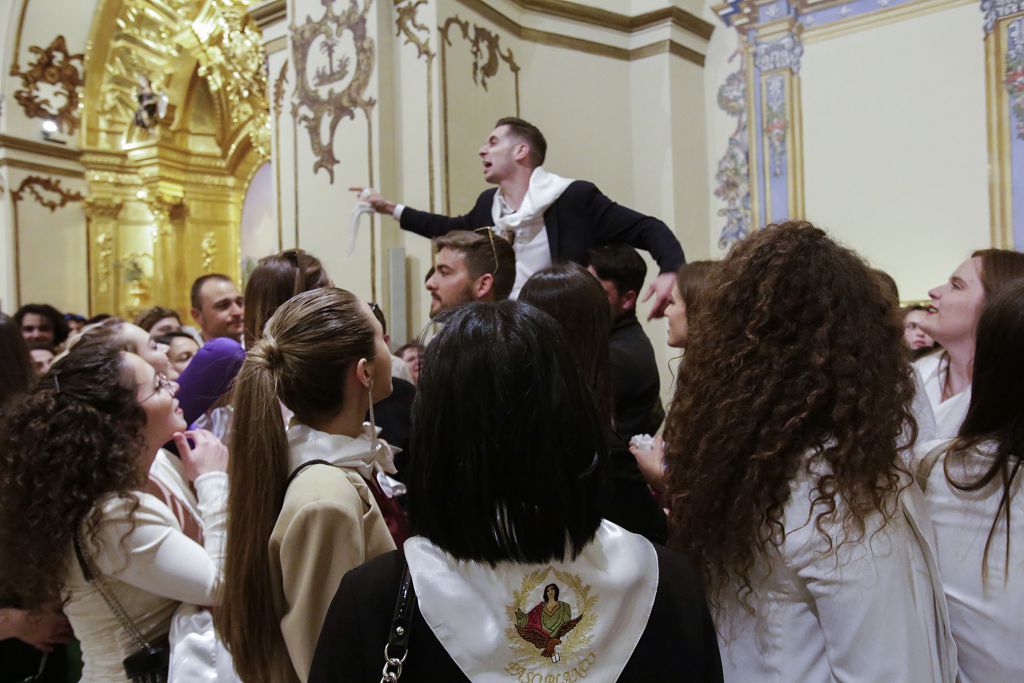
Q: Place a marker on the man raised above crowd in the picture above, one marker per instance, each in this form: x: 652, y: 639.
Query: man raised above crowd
x: 548, y: 218
x: 635, y: 381
x: 470, y: 266
x: 218, y: 307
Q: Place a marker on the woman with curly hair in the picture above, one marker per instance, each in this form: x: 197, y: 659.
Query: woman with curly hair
x: 784, y: 477
x: 74, y: 455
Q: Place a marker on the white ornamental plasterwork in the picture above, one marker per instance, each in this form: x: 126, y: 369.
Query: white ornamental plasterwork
x: 784, y: 53
x: 995, y: 10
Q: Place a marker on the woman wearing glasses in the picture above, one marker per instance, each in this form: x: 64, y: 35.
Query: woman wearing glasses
x: 80, y: 446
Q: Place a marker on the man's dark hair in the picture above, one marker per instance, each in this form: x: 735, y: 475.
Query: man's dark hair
x: 57, y: 322
x: 534, y: 467
x: 378, y: 313
x: 168, y: 337
x: 620, y: 264
x: 197, y: 287
x: 98, y: 318
x: 151, y: 316
x: 486, y: 254
x: 528, y: 133
x: 411, y: 345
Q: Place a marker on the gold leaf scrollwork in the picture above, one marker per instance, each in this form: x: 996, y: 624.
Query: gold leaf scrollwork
x: 279, y: 85
x: 415, y: 33
x: 43, y: 190
x: 208, y: 249
x: 309, y: 106
x: 105, y: 261
x: 485, y: 48
x: 55, y: 70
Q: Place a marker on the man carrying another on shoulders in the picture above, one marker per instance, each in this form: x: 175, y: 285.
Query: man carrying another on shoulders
x: 470, y: 266
x: 548, y: 218
x: 217, y: 307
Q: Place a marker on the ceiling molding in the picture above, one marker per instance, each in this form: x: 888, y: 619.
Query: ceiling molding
x: 548, y: 38
x: 269, y: 13
x: 619, y: 22
x: 41, y: 148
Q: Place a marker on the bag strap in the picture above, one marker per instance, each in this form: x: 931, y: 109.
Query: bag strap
x: 925, y: 467
x: 93, y: 576
x: 397, y: 648
x: 301, y: 467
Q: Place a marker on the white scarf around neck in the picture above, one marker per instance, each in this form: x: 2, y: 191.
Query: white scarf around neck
x: 306, y: 444
x: 543, y: 191
x: 497, y: 624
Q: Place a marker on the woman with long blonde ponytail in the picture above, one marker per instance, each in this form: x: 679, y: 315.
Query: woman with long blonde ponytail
x: 300, y: 513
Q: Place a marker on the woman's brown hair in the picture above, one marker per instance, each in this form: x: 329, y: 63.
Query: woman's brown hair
x: 999, y: 267
x: 301, y: 361
x: 276, y: 279
x: 796, y: 360
x: 693, y: 280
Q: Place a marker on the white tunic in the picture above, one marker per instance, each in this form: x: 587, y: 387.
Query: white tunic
x: 947, y: 415
x: 986, y: 616
x: 872, y: 611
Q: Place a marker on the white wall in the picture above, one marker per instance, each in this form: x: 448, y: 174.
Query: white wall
x: 895, y: 143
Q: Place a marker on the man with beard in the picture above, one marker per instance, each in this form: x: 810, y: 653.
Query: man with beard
x: 470, y: 266
x: 218, y: 307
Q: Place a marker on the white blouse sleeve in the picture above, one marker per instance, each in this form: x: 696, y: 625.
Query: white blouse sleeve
x: 146, y: 549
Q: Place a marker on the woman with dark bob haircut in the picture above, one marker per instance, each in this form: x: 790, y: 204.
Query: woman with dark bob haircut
x: 514, y: 571
x: 783, y: 471
x: 971, y: 494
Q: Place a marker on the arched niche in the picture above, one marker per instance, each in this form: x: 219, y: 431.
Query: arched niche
x: 165, y: 202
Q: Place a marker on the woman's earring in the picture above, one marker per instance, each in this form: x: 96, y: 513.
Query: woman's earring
x: 373, y: 422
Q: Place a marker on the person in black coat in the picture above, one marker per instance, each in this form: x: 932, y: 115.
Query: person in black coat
x: 571, y: 216
x: 514, y: 572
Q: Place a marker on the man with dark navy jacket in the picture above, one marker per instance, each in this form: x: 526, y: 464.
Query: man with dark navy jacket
x: 547, y: 218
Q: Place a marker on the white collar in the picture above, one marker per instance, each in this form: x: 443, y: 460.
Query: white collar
x: 544, y: 189
x: 491, y: 619
x: 363, y: 453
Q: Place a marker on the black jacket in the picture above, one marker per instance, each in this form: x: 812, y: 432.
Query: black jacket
x: 581, y: 219
x: 635, y: 381
x: 679, y: 643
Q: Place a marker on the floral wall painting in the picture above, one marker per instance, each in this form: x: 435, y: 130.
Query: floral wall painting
x: 733, y: 175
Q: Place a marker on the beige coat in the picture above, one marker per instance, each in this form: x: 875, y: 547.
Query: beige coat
x: 329, y: 524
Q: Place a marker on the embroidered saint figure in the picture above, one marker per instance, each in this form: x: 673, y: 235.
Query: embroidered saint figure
x: 544, y: 625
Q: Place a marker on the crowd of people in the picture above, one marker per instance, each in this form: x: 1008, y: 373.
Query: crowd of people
x: 274, y: 495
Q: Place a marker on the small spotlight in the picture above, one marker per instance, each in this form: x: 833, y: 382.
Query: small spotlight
x: 141, y: 194
x: 49, y: 126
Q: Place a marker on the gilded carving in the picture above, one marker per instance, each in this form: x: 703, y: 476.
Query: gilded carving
x: 47, y: 191
x: 54, y: 70
x: 208, y: 249
x: 485, y: 48
x: 311, y: 104
x: 1013, y: 77
x: 416, y: 34
x: 279, y: 87
x: 104, y: 261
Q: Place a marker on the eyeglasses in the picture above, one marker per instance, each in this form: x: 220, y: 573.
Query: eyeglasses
x: 162, y: 383
x: 494, y: 252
